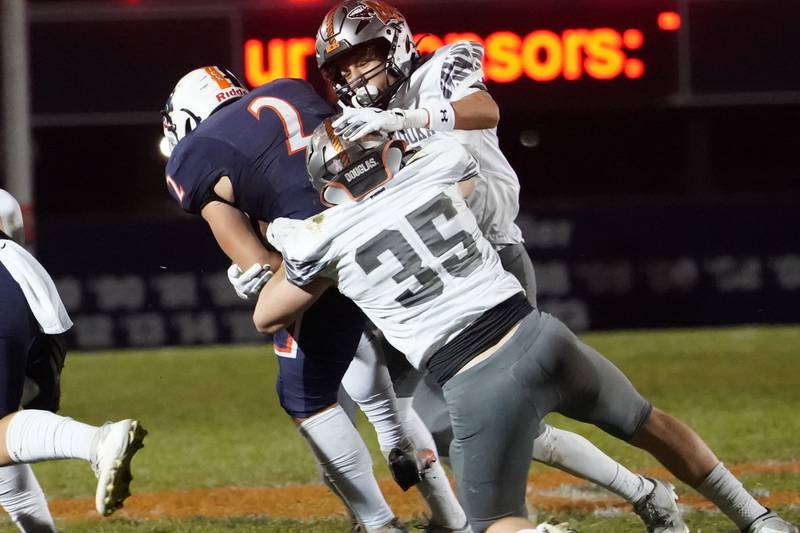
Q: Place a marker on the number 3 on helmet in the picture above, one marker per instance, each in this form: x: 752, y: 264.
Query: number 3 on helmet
x: 196, y: 96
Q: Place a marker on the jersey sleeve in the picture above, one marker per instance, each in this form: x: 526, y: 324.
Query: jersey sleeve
x: 195, y: 167
x: 305, y: 254
x: 462, y: 70
x: 470, y: 168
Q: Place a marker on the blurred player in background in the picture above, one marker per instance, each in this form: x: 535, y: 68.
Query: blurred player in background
x: 32, y: 321
x: 365, y: 49
x: 238, y: 161
x: 401, y: 242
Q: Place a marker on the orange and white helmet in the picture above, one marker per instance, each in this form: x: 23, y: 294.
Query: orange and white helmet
x: 195, y: 97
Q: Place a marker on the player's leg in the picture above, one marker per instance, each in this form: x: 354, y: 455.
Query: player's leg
x: 516, y: 261
x: 495, y: 407
x: 575, y: 455
x: 33, y: 435
x: 686, y: 455
x: 23, y: 499
x: 596, y: 391
x: 569, y: 451
x: 397, y: 424
x: 307, y: 388
x: 446, y: 513
x: 368, y: 384
x: 20, y: 493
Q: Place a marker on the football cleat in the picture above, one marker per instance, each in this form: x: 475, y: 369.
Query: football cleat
x: 116, y: 445
x: 770, y: 522
x: 659, y: 509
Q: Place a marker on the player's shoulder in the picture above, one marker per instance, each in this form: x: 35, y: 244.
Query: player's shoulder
x: 299, y: 238
x: 190, y: 151
x: 450, y: 66
x: 183, y: 151
x: 469, y: 51
x: 440, y: 159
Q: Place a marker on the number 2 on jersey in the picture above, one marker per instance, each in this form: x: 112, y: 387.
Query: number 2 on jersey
x: 296, y: 138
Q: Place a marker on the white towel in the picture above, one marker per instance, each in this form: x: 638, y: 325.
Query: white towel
x: 38, y: 287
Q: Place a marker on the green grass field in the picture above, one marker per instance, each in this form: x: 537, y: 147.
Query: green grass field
x: 214, y: 420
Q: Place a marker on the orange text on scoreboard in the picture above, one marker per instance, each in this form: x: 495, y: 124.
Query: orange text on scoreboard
x: 541, y: 55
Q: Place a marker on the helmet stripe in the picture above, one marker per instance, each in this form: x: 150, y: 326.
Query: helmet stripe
x: 218, y: 77
x: 336, y: 142
x: 333, y: 44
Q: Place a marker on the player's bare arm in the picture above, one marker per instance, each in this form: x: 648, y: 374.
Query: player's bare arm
x: 233, y: 232
x: 466, y: 187
x: 280, y: 303
x: 476, y: 111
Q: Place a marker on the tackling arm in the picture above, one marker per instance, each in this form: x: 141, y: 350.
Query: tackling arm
x: 280, y: 302
x: 233, y: 233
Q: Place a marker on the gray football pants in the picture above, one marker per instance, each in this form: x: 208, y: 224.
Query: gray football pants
x: 428, y: 399
x: 408, y: 381
x: 496, y: 408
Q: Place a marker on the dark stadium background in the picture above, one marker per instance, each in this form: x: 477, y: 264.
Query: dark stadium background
x: 670, y: 199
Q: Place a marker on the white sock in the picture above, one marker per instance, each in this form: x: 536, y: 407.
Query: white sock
x: 574, y: 454
x: 34, y: 435
x: 368, y: 383
x: 727, y: 492
x: 434, y: 487
x: 23, y: 499
x: 347, y: 403
x: 344, y: 457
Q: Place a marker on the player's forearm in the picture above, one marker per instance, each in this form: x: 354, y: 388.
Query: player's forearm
x: 236, y: 238
x: 280, y: 303
x: 476, y: 111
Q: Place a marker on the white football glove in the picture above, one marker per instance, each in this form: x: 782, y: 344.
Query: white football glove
x: 249, y: 283
x: 357, y: 122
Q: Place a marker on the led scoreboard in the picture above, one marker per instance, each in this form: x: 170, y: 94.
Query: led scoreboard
x: 542, y: 54
x: 539, y: 55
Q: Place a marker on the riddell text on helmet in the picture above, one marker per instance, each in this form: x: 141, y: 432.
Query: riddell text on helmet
x: 236, y: 91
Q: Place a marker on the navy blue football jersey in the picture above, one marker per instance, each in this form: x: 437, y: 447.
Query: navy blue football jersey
x: 259, y: 143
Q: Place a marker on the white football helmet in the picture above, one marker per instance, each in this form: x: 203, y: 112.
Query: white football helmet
x: 195, y: 97
x: 11, y: 217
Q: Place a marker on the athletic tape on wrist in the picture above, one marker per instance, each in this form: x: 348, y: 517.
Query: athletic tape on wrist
x: 441, y: 116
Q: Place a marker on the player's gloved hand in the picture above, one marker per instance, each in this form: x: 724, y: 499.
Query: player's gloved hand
x: 357, y: 122
x: 249, y: 283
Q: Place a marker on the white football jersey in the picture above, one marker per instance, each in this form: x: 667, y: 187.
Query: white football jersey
x: 452, y: 73
x: 411, y: 255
